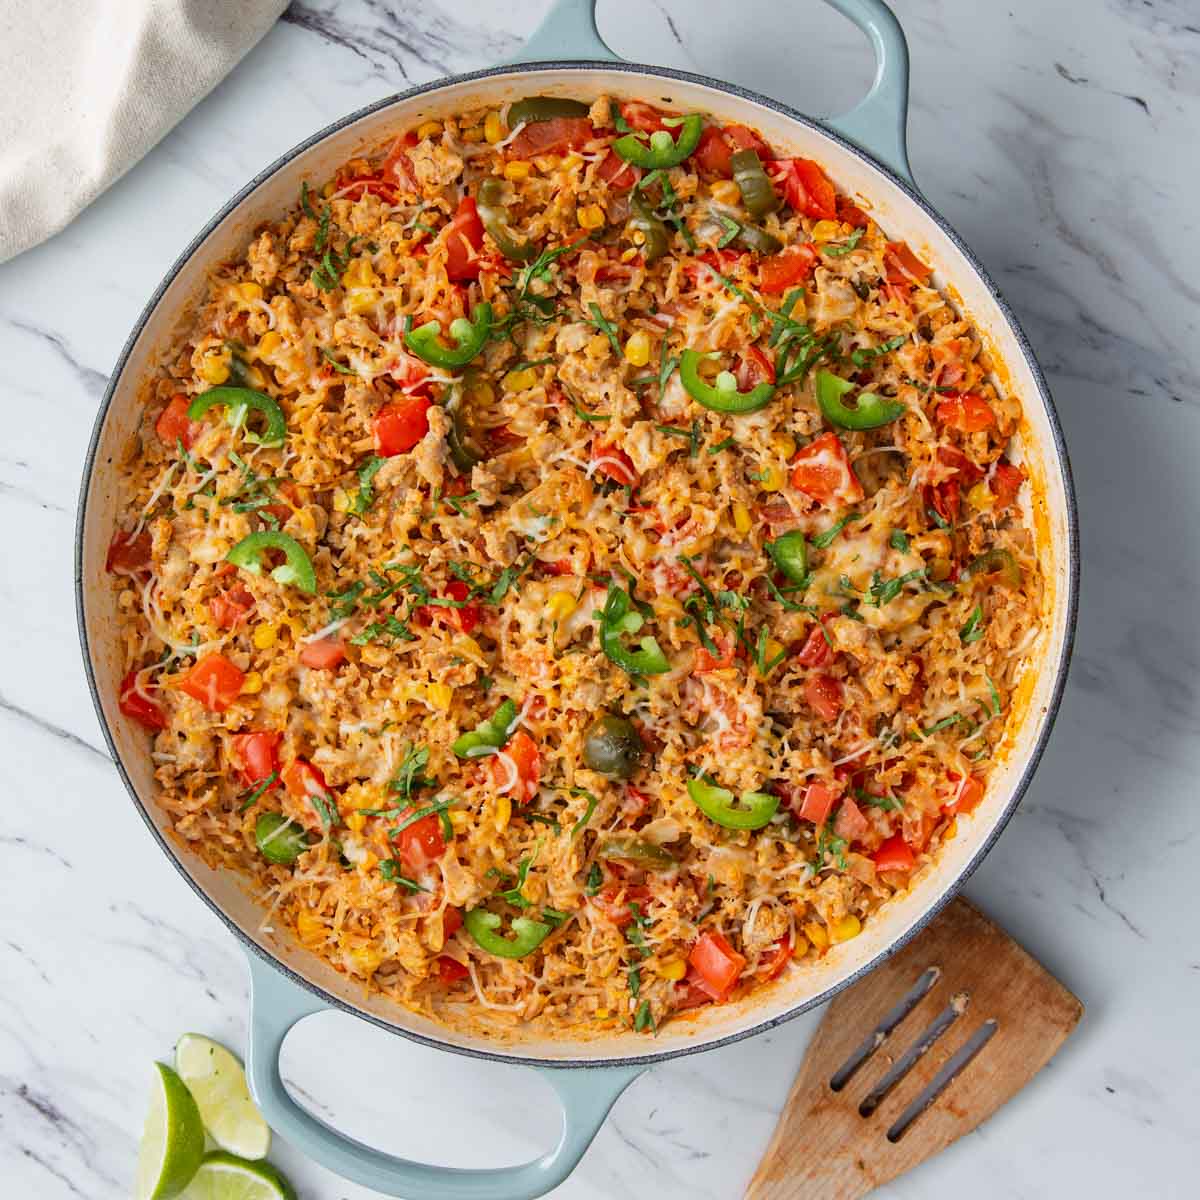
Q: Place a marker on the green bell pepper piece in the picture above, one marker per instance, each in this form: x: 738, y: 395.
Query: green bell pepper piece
x: 489, y: 202
x: 238, y: 402
x: 790, y: 554
x: 637, y: 850
x: 758, y: 240
x: 278, y: 839
x: 488, y: 736
x: 662, y: 151
x: 544, y: 108
x: 651, y: 227
x: 465, y: 449
x: 527, y: 936
x: 996, y: 562
x: 753, y: 811
x: 757, y: 193
x: 469, y: 337
x: 723, y: 395
x: 618, y: 618
x: 869, y: 411
x: 297, y: 570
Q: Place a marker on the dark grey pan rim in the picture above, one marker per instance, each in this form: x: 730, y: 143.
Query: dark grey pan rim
x: 1072, y: 562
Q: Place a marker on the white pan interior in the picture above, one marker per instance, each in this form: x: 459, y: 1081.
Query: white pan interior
x: 900, y: 217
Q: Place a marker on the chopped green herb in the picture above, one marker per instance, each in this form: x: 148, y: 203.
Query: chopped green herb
x: 841, y: 251
x: 595, y: 879
x: 389, y: 868
x: 732, y: 229
x: 822, y: 541
x: 899, y: 541
x: 644, y: 1019
x: 974, y: 628
x: 340, y: 368
x: 995, y: 696
x: 361, y: 503
x: 258, y: 789
x: 862, y: 356
x: 599, y: 321
x: 578, y: 827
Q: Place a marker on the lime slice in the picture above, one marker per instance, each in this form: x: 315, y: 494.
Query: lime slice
x: 226, y: 1177
x: 172, y: 1140
x: 216, y: 1079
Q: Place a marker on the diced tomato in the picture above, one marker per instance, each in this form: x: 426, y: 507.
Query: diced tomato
x: 466, y: 618
x: 740, y: 137
x: 302, y: 779
x: 421, y: 843
x: 645, y: 118
x: 561, y: 566
x: 689, y: 993
x: 755, y: 366
x: 717, y: 964
x: 230, y: 606
x: 1006, y: 483
x: 778, y: 516
x: 523, y: 752
x: 824, y: 696
x: 805, y: 187
x: 290, y: 502
x: 399, y: 426
x: 464, y: 240
x: 967, y: 412
x: 617, y: 173
x: 815, y: 651
x: 450, y: 970
x: 713, y: 152
x: 173, y: 424
x: 398, y: 166
x: 705, y: 661
x: 903, y: 266
x: 850, y: 822
x: 791, y: 266
x: 256, y: 756
x: 636, y: 800
x: 822, y: 470
x: 551, y: 137
x: 502, y: 438
x: 945, y: 499
x: 135, y: 702
x: 818, y: 802
x: 966, y: 470
x: 613, y: 463
x: 894, y: 855
x: 214, y: 681
x: 966, y: 796
x: 324, y: 654
x: 374, y: 185
x: 613, y: 901
x: 772, y: 964
x: 127, y: 554
x: 851, y: 214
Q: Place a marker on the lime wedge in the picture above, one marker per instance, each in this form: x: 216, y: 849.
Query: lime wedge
x: 216, y: 1080
x: 172, y: 1140
x: 226, y: 1177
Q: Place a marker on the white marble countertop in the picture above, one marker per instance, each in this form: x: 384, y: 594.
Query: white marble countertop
x: 1063, y: 148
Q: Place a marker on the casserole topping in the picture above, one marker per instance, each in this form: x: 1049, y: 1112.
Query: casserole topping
x: 574, y: 565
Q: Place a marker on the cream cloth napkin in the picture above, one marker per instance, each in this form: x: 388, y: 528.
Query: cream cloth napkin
x: 91, y: 85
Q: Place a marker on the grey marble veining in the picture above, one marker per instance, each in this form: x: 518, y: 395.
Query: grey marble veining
x: 1060, y: 140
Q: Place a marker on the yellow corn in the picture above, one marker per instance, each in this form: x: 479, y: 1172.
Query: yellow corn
x: 254, y: 377
x: 360, y: 273
x: 771, y: 649
x: 252, y: 684
x: 725, y: 191
x: 468, y: 647
x: 268, y: 344
x: 440, y: 695
x: 250, y: 291
x: 627, y: 256
x: 800, y: 949
x: 310, y: 928
x: 741, y: 518
x: 572, y: 161
x: 845, y: 929
x: 951, y: 830
x: 460, y: 821
x: 560, y: 605
x: 265, y: 636
x: 817, y: 934
x: 520, y: 381
x: 601, y: 1014
x: 598, y: 347
x: 823, y: 231
x: 637, y: 349
x: 590, y: 217
x: 356, y: 822
x: 503, y: 813
x: 980, y: 497
x: 361, y: 300
x: 342, y: 501
x: 474, y: 134
x: 482, y: 392
x: 673, y: 969
x: 772, y: 479
x: 429, y: 129
x: 784, y: 445
x: 493, y: 127
x: 214, y: 369
x: 369, y: 862
x: 940, y: 569
x: 516, y: 171
x: 547, y: 162
x: 365, y: 957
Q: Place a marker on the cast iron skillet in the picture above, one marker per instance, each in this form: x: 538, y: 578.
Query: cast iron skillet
x: 865, y: 153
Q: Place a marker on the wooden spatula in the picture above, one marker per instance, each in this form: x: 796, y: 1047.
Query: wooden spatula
x: 921, y: 1051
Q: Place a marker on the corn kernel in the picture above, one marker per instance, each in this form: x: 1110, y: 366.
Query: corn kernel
x: 951, y: 830
x: 940, y: 569
x: 310, y: 928
x: 368, y: 862
x: 845, y: 929
x: 472, y: 135
x: 356, y: 822
x: 503, y: 813
x: 980, y: 497
x: 772, y: 479
x: 741, y: 518
x: 252, y: 684
x: 560, y: 605
x: 572, y: 161
x: 482, y: 392
x: 783, y: 444
x: 817, y: 934
x: 517, y: 171
x: 637, y: 349
x: 547, y: 163
x: 493, y: 127
x: 667, y: 606
x: 268, y: 344
x: 590, y: 217
x: 468, y: 647
x: 440, y: 695
x: 725, y: 191
x: 520, y: 381
x: 254, y: 377
x: 460, y: 821
x: 429, y: 129
x: 250, y: 291
x: 823, y: 231
x: 800, y: 947
x: 601, y: 1014
x: 265, y: 636
x: 214, y: 369
x: 627, y: 256
x: 598, y: 347
x: 365, y: 958
x: 673, y: 969
x: 361, y: 300
x: 342, y: 500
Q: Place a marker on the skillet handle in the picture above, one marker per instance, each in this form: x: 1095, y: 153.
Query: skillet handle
x: 878, y: 123
x: 276, y: 1004
x: 567, y: 32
